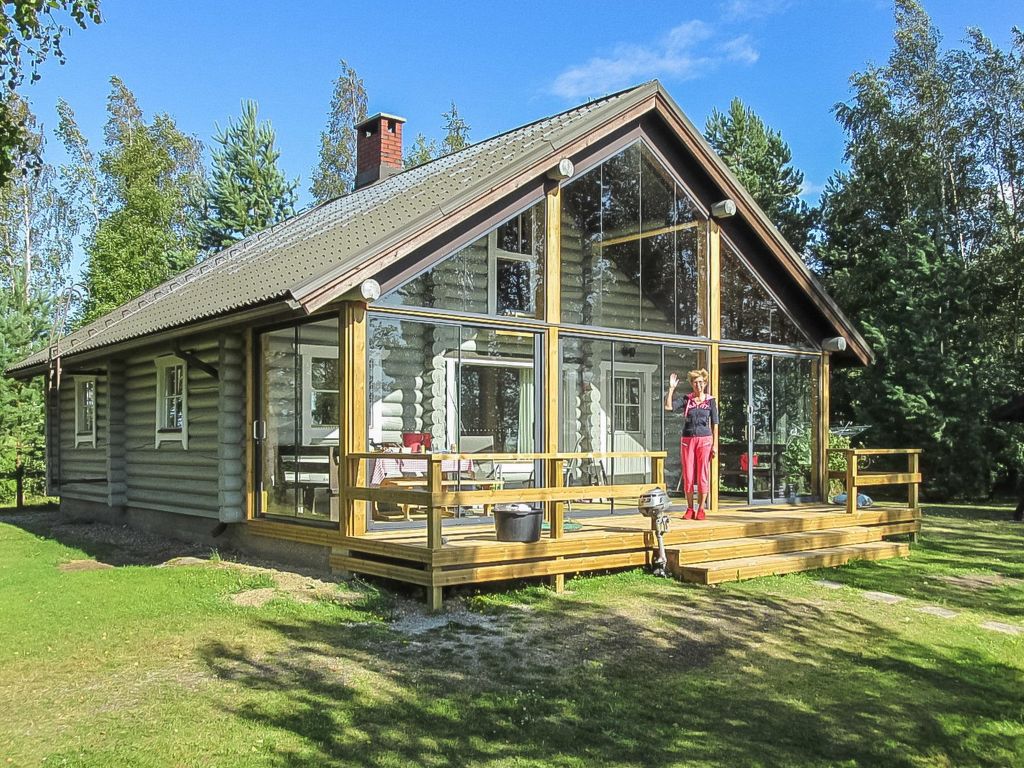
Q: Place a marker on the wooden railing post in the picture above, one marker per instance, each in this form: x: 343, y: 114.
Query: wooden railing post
x: 658, y: 471
x: 556, y: 509
x: 435, y: 487
x: 851, y: 481
x: 913, y: 467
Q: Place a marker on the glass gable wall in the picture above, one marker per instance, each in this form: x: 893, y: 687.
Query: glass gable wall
x: 499, y: 274
x: 749, y: 311
x: 633, y: 248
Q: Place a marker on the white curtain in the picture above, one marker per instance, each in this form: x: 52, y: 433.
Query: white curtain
x: 526, y: 411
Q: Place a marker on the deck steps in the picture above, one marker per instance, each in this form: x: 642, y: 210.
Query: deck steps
x: 737, y: 568
x: 754, y: 546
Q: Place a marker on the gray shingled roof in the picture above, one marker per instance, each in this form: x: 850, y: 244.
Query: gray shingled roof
x: 277, y: 263
x: 328, y: 243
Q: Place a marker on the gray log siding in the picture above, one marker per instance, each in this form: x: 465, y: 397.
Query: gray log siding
x: 168, y: 478
x: 117, y: 486
x: 84, y: 462
x: 231, y: 429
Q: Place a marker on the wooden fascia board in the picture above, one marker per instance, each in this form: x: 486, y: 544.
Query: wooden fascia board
x: 762, y: 226
x: 322, y: 290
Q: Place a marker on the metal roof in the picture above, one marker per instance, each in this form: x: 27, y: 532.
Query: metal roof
x: 296, y: 259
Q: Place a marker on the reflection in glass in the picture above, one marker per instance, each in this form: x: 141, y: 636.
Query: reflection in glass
x: 501, y: 273
x: 611, y: 399
x: 632, y: 248
x: 749, y: 311
x: 299, y: 401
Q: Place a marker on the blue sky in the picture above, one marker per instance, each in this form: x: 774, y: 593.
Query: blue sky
x: 504, y: 64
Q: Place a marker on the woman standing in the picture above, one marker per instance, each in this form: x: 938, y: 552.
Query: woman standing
x: 700, y: 435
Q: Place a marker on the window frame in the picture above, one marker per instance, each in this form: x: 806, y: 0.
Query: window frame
x: 86, y: 439
x: 316, y: 434
x: 494, y: 254
x: 162, y: 432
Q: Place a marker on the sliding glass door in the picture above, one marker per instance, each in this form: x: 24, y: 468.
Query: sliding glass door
x: 768, y: 437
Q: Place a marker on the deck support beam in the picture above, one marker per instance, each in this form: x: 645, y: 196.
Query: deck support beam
x: 824, y: 406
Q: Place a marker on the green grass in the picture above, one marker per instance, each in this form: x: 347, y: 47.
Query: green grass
x: 146, y: 666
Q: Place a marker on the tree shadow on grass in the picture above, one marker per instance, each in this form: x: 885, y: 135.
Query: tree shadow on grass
x: 686, y: 676
x: 953, y: 542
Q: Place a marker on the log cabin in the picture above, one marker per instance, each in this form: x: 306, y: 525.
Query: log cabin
x: 364, y: 385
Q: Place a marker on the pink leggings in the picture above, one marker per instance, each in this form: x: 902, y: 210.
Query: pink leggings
x: 695, y: 454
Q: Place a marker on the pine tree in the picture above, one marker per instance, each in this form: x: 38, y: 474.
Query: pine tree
x: 247, y: 191
x: 456, y: 132
x: 336, y: 172
x: 456, y: 137
x: 763, y: 163
x: 150, y: 173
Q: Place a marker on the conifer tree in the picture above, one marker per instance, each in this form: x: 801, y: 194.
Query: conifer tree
x: 336, y: 171
x: 150, y: 173
x: 763, y: 163
x: 247, y: 191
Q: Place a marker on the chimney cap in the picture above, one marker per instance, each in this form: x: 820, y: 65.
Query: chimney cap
x: 378, y: 117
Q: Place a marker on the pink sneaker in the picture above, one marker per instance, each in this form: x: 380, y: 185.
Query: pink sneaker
x: 689, y: 514
x: 699, y: 514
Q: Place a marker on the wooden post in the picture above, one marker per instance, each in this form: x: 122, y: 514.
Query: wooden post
x: 552, y: 379
x: 824, y: 406
x: 851, y: 481
x: 352, y: 413
x: 913, y: 488
x: 435, y: 486
x: 714, y: 326
x: 658, y: 471
x: 250, y: 425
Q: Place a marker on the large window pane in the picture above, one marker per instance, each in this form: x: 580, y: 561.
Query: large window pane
x: 632, y: 248
x: 749, y: 311
x: 300, y: 407
x: 501, y: 273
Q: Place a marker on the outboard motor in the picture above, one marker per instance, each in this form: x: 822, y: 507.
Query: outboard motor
x: 654, y: 504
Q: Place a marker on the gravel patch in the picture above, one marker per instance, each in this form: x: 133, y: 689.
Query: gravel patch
x: 829, y: 584
x: 254, y: 598
x: 72, y: 566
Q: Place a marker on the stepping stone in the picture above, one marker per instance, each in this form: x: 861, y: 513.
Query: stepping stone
x: 829, y: 584
x: 884, y: 597
x: 1006, y: 629
x: 935, y: 610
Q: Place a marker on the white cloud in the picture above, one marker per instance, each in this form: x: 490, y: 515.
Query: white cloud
x: 748, y: 10
x: 811, y: 190
x: 688, y: 51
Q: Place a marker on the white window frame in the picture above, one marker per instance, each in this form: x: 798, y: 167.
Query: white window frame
x: 493, y: 254
x: 316, y: 434
x: 87, y: 439
x: 163, y: 433
x: 644, y: 372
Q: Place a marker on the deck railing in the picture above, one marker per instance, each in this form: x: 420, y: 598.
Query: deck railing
x: 857, y: 478
x: 438, y: 494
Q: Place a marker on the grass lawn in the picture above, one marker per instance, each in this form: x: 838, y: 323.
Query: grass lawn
x: 140, y: 665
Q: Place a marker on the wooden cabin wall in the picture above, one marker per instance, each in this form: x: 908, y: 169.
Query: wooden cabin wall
x: 168, y: 478
x: 85, y: 462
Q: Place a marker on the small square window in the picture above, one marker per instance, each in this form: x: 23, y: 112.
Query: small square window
x: 171, y: 401
x: 85, y: 411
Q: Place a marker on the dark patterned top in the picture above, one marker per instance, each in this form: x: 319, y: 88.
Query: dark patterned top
x: 698, y: 418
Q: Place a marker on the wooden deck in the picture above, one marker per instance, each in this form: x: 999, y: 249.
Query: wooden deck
x: 734, y: 543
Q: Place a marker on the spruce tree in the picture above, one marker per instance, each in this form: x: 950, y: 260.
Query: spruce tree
x: 763, y: 163
x: 247, y: 191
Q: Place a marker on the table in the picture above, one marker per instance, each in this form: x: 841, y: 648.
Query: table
x: 400, y: 467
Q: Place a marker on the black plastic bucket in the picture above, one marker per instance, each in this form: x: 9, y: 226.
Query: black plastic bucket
x: 517, y: 522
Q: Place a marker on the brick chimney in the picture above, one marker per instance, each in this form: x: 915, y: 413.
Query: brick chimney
x: 378, y: 148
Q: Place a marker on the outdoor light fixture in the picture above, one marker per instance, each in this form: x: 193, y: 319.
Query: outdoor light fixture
x: 368, y: 290
x: 562, y: 171
x: 723, y: 209
x: 834, y: 344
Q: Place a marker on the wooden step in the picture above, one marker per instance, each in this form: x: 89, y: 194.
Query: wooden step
x: 754, y: 546
x: 717, y: 571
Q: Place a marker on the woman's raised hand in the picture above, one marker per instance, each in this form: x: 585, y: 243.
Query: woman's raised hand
x: 673, y: 381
